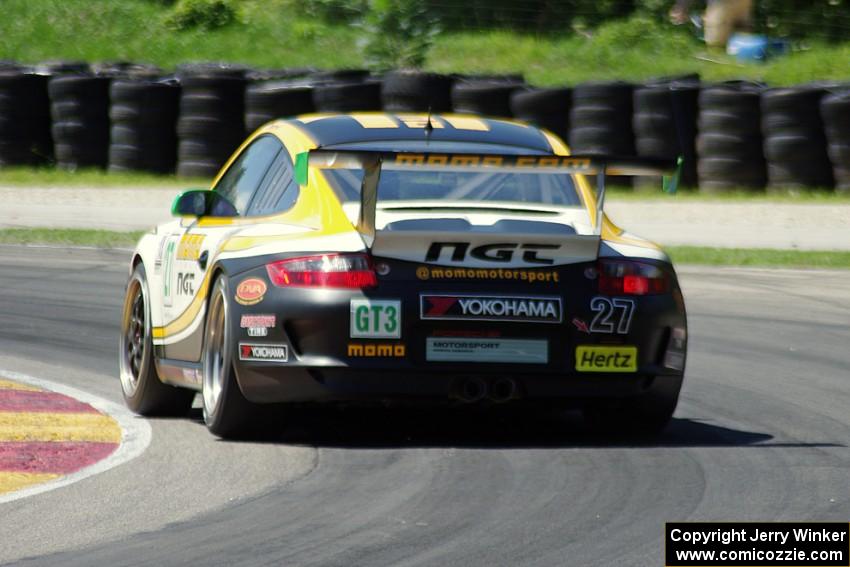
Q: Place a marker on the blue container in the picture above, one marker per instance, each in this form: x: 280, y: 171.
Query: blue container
x: 751, y: 47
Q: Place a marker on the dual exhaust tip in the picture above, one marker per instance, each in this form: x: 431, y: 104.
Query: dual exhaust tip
x: 472, y: 390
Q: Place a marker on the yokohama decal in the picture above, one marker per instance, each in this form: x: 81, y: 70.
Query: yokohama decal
x: 491, y: 308
x: 271, y: 353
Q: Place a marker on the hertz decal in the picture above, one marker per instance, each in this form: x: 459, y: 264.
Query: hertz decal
x: 376, y: 350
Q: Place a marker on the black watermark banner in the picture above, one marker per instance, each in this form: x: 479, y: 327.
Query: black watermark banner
x: 757, y: 544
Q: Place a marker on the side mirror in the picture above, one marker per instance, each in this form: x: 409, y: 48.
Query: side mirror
x: 201, y: 203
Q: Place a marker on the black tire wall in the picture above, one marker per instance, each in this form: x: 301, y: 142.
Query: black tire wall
x: 25, y: 136
x: 143, y: 134
x: 80, y: 111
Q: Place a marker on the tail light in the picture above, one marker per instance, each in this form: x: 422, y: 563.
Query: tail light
x: 348, y: 271
x: 626, y: 277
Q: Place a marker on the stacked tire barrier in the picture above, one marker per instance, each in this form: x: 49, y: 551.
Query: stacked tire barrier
x: 25, y: 137
x: 601, y: 119
x: 835, y: 111
x: 268, y: 100
x: 79, y: 107
x: 794, y: 139
x: 348, y: 97
x: 546, y: 108
x: 211, y: 123
x: 665, y: 123
x: 729, y: 143
x: 416, y: 91
x: 143, y: 116
x: 485, y: 97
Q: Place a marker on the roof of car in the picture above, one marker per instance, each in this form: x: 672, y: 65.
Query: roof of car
x: 328, y: 130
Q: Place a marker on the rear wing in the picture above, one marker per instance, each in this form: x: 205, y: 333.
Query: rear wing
x: 372, y: 163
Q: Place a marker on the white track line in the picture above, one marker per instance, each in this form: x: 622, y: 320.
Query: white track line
x: 135, y: 435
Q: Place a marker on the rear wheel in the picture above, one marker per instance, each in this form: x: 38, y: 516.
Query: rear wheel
x: 226, y: 411
x: 144, y: 392
x: 647, y: 414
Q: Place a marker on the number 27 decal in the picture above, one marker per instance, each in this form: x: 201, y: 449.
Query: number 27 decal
x: 612, y: 315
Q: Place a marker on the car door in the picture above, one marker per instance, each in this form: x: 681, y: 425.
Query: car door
x: 188, y: 252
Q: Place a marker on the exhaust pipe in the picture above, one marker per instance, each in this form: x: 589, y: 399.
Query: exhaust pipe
x: 472, y: 390
x: 503, y: 389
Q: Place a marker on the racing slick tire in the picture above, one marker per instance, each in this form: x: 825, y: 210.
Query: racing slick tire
x: 647, y: 414
x: 226, y: 411
x: 143, y: 391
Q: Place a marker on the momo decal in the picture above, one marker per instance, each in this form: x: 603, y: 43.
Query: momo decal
x: 501, y: 252
x: 376, y: 350
x: 612, y: 315
x: 379, y: 319
x: 593, y: 358
x: 530, y: 276
x: 272, y: 353
x: 490, y: 308
x: 257, y: 321
x: 250, y: 291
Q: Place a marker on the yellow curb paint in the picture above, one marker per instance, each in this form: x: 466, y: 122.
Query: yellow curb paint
x: 10, y: 481
x: 91, y: 427
x: 9, y: 385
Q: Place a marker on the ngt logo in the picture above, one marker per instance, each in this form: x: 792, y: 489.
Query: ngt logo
x: 490, y: 308
x: 500, y: 252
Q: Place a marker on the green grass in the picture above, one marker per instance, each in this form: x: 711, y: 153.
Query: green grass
x: 679, y: 254
x: 91, y: 177
x: 70, y: 237
x: 271, y: 35
x: 759, y: 257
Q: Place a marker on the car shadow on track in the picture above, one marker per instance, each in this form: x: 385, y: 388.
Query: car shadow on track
x: 397, y: 428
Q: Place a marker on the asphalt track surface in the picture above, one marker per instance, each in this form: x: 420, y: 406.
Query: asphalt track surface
x: 761, y: 433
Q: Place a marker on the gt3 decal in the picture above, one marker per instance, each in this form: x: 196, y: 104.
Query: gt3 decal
x: 250, y: 291
x: 593, y: 358
x: 612, y: 315
x: 490, y: 308
x: 379, y: 319
x: 257, y: 321
x: 264, y: 352
x: 375, y: 350
x: 530, y: 276
x: 500, y: 252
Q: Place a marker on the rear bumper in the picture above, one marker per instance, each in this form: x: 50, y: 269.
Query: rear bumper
x: 271, y: 385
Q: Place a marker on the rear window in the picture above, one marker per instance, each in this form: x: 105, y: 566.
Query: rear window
x: 543, y: 188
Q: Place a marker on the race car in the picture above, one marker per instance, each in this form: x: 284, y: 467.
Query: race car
x: 403, y: 258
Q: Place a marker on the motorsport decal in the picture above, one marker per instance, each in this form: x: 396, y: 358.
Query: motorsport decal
x: 540, y: 309
x: 596, y: 358
x: 190, y: 247
x: 501, y: 252
x: 378, y: 319
x: 612, y: 315
x: 250, y: 291
x: 264, y: 352
x: 376, y: 350
x: 521, y: 351
x: 530, y: 276
x: 257, y: 321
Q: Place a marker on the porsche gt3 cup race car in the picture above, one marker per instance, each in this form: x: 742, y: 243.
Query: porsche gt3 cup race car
x: 403, y: 258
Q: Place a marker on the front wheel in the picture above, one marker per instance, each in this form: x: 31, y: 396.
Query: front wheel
x: 226, y: 411
x: 144, y: 392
